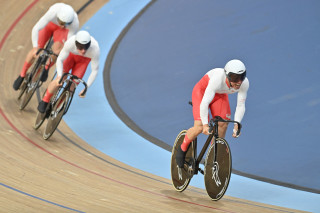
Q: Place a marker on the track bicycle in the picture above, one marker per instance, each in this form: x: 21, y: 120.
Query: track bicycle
x: 217, y: 165
x: 32, y: 81
x: 59, y: 104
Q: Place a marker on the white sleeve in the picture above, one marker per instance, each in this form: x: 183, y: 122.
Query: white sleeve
x: 241, y: 101
x: 43, y: 21
x: 94, y: 66
x: 62, y: 56
x: 206, y: 100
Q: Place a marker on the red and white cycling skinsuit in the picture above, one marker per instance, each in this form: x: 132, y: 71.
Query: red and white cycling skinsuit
x: 70, y: 59
x: 48, y: 26
x: 212, y: 92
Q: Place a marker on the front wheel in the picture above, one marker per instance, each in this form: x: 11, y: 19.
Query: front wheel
x: 181, y: 176
x: 217, y: 169
x: 56, y: 114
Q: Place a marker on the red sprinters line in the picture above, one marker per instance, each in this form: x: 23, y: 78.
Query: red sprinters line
x: 68, y: 162
x: 16, y: 22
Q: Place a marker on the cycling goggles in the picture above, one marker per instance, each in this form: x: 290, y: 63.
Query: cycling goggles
x: 83, y: 46
x: 63, y: 23
x: 233, y: 77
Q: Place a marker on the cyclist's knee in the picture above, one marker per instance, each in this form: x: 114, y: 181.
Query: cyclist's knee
x: 198, y: 129
x: 223, y: 125
x: 55, y: 82
x: 57, y: 47
x: 33, y: 52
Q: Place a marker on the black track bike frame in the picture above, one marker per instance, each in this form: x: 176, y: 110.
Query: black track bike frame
x: 68, y: 88
x: 213, y: 125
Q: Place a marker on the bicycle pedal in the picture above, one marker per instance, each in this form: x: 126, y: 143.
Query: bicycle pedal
x: 190, y: 170
x: 47, y: 113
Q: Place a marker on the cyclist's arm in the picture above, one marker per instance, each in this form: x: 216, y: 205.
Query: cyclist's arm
x: 94, y: 62
x: 43, y: 21
x: 241, y: 100
x: 63, y: 55
x: 206, y: 100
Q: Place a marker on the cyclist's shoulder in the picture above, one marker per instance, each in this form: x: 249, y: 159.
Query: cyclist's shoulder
x: 216, y: 70
x: 216, y: 74
x: 94, y: 47
x: 70, y: 41
x: 245, y: 85
x: 94, y: 42
x: 246, y: 82
x: 56, y: 6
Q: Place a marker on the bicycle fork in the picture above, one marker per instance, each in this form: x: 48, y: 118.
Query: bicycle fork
x: 215, y: 167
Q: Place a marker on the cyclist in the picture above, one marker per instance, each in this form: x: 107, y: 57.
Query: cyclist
x: 77, y: 53
x: 212, y: 92
x: 61, y: 22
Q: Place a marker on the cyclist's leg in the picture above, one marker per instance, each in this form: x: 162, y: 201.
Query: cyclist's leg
x: 52, y: 88
x: 27, y: 64
x: 28, y: 61
x: 80, y: 67
x: 60, y: 36
x: 191, y: 134
x: 54, y: 85
x: 221, y: 107
x: 43, y: 37
x: 68, y: 64
x: 197, y: 95
x: 194, y: 131
x: 56, y: 48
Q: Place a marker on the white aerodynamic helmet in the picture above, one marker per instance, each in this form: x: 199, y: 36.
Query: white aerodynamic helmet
x: 235, y: 70
x: 83, y: 40
x: 65, y: 15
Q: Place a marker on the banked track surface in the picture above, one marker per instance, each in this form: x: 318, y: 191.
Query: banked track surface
x: 65, y: 174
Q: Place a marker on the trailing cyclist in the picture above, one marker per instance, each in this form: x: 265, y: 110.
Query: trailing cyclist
x: 78, y: 51
x: 212, y: 92
x: 59, y: 22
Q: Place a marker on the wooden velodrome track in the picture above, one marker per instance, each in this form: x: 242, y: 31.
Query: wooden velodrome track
x: 65, y: 174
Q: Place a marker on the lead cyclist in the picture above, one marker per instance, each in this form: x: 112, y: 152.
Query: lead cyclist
x: 212, y: 92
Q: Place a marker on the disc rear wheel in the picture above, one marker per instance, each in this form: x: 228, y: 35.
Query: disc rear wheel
x: 22, y: 88
x: 181, y: 176
x: 32, y: 85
